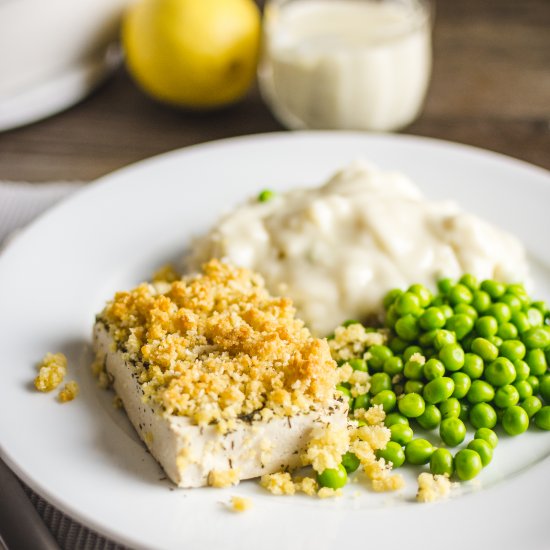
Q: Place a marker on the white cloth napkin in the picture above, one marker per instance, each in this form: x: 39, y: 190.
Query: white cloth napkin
x: 20, y: 203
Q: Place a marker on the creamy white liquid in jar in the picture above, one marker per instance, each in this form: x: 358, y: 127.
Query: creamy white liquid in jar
x: 346, y: 64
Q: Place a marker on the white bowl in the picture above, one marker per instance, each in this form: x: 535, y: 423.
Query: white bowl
x: 53, y: 53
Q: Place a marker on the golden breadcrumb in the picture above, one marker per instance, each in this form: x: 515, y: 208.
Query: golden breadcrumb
x: 351, y: 341
x: 166, y: 273
x: 433, y: 487
x: 279, y: 483
x: 51, y: 371
x: 373, y: 416
x: 240, y: 504
x: 216, y: 347
x: 223, y: 478
x: 69, y: 392
x: 307, y: 485
x: 327, y: 492
x: 326, y: 447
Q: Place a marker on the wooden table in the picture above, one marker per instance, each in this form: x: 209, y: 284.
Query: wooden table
x: 490, y: 88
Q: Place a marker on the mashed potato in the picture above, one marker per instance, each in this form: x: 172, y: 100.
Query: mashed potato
x: 337, y: 249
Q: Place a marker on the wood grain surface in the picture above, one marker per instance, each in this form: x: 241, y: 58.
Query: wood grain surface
x: 490, y: 88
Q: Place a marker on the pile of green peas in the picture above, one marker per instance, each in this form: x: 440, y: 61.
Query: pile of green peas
x: 473, y: 354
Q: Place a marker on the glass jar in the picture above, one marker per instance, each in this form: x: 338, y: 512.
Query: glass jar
x: 346, y: 64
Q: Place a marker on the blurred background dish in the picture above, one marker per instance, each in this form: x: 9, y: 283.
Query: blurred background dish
x: 52, y: 54
x: 346, y: 64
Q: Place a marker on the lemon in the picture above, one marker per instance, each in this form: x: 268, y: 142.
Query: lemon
x: 192, y: 53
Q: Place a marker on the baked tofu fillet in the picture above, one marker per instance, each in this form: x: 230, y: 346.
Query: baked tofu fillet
x: 219, y: 379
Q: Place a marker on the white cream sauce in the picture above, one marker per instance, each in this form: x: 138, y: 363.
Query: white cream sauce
x: 337, y: 249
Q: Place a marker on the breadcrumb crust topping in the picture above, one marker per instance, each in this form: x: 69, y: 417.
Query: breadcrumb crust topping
x: 51, y: 371
x: 216, y: 347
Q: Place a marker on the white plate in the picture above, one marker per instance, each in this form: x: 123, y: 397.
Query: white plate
x: 84, y: 457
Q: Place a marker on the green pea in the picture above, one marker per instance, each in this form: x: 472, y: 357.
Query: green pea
x: 350, y: 322
x: 266, y: 195
x: 393, y: 365
x: 480, y: 392
x: 501, y: 312
x: 452, y: 356
x: 413, y: 369
x: 418, y: 451
x: 378, y: 354
x: 486, y: 326
x: 447, y: 310
x: 460, y: 294
x: 452, y: 431
x: 442, y: 338
x: 541, y: 306
x: 423, y: 294
x: 520, y: 321
x: 518, y: 289
x: 483, y: 449
x: 531, y: 405
x: 432, y: 318
x: 450, y: 408
x: 473, y: 365
x: 524, y: 389
x: 380, y: 381
x: 401, y: 433
x: 542, y: 418
x: 496, y: 341
x: 507, y: 331
x: 426, y: 339
x: 345, y: 391
x: 410, y: 351
x: 515, y: 420
x: 511, y: 300
x: 522, y: 370
x: 407, y: 328
x: 350, y: 462
x: 536, y: 318
x: 482, y: 415
x: 391, y: 316
x: 466, y: 309
x: 411, y: 405
x: 397, y: 345
x: 470, y: 281
x: 358, y: 364
x: 392, y: 453
x: 481, y: 301
x: 460, y: 324
x: 430, y: 418
x: 445, y: 285
x: 493, y: 288
x: 467, y: 464
x: 334, y: 478
x: 536, y: 360
x: 533, y: 381
x: 414, y: 386
x: 462, y: 384
x: 488, y: 435
x: 433, y: 368
x: 465, y: 407
x: 395, y: 418
x: 537, y: 337
x: 391, y: 296
x: 485, y: 349
x: 544, y: 387
x: 386, y: 398
x: 513, y: 350
x: 438, y: 390
x: 506, y: 396
x: 500, y: 372
x: 408, y: 304
x: 441, y: 462
x: 361, y: 402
